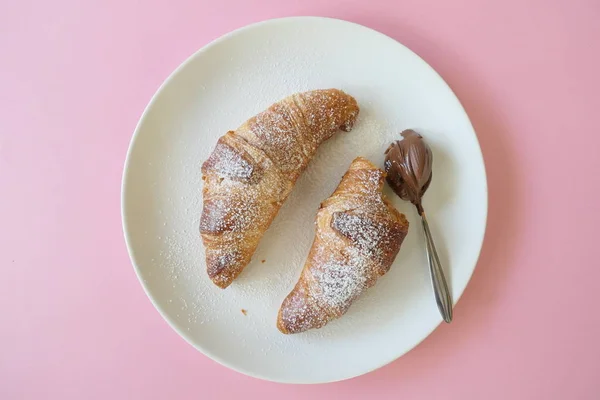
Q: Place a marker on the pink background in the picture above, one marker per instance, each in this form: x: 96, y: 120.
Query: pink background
x: 75, y: 77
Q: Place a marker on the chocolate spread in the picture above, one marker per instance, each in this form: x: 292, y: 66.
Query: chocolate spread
x: 408, y: 164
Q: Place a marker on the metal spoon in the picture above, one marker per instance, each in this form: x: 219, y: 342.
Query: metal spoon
x: 408, y: 164
x: 443, y: 297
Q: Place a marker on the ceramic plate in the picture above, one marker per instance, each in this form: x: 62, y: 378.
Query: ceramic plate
x: 216, y: 90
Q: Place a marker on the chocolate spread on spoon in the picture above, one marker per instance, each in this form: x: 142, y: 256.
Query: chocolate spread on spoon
x: 408, y: 164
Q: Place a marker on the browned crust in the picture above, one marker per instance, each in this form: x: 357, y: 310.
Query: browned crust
x: 253, y: 169
x: 357, y: 199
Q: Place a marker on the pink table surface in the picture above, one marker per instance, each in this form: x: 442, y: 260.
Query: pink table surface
x: 75, y: 77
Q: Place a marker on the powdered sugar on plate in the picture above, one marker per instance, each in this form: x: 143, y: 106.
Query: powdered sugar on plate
x: 219, y: 89
x: 261, y: 288
x: 195, y: 301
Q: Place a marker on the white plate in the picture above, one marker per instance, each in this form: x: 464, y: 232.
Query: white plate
x: 229, y: 81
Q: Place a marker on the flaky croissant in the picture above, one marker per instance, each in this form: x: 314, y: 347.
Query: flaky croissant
x: 358, y: 235
x: 252, y: 171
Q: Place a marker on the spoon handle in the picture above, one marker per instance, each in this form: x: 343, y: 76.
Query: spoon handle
x: 443, y: 297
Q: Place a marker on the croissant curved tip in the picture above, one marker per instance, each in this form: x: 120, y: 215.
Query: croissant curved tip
x: 281, y: 324
x: 219, y: 274
x: 351, y: 110
x: 220, y: 281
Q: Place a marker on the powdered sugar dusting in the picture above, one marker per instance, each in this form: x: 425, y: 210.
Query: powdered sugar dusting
x: 276, y: 146
x: 230, y: 163
x: 216, y: 92
x: 339, y: 283
x: 174, y: 191
x: 261, y: 287
x: 357, y: 238
x: 363, y: 231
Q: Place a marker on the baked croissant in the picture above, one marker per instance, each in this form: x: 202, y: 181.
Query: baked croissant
x: 358, y: 235
x: 252, y: 170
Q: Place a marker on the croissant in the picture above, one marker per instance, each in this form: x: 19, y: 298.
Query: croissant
x: 253, y: 169
x: 358, y: 235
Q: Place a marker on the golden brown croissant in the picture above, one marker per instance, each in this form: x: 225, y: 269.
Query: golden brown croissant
x: 358, y: 234
x: 252, y: 170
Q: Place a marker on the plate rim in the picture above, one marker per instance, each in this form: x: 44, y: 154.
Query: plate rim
x: 124, y: 180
